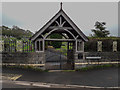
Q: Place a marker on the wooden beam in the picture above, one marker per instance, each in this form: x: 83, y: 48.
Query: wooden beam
x: 60, y: 21
x: 56, y: 29
x: 52, y: 27
x: 59, y: 39
x: 65, y: 36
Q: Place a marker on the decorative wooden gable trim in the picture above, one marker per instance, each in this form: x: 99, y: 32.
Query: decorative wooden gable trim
x: 61, y: 12
x: 74, y: 26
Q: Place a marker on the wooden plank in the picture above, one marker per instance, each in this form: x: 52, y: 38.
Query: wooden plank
x: 52, y: 27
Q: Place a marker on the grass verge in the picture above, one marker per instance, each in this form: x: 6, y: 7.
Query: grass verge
x: 25, y: 67
x: 97, y: 67
x: 68, y: 70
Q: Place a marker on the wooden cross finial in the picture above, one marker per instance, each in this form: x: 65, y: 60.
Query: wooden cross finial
x: 61, y: 5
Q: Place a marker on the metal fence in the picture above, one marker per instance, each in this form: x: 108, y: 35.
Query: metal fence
x: 28, y: 46
x: 16, y: 46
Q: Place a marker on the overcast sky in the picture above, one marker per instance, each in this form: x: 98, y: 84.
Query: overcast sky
x: 33, y: 16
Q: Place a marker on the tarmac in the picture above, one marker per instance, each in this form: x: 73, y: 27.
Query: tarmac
x: 93, y: 79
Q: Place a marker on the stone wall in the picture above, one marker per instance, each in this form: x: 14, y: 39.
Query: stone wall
x: 23, y: 57
x: 105, y: 57
x: 39, y: 57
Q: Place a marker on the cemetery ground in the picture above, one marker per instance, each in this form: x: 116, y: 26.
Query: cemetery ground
x: 106, y: 77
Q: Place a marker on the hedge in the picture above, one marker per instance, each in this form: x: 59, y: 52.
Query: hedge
x: 107, y: 44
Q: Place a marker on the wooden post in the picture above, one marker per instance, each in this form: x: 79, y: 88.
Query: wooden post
x: 35, y: 46
x: 43, y: 45
x: 27, y: 45
x: 83, y: 46
x: 15, y: 45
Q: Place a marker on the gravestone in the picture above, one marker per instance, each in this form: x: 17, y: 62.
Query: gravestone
x: 19, y: 46
x: 1, y: 46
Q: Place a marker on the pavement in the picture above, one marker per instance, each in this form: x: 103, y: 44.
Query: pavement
x: 94, y: 79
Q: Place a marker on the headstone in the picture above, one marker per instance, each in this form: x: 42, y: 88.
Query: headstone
x: 19, y: 46
x: 114, y: 46
x: 99, y: 46
x: 1, y: 45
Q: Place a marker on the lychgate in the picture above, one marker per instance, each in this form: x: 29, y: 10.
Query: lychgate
x: 71, y: 34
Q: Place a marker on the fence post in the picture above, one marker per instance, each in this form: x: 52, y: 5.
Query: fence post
x: 15, y: 45
x: 19, y: 46
x: 99, y: 46
x: 114, y: 46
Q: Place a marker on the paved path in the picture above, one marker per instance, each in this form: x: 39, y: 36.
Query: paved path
x: 99, y: 78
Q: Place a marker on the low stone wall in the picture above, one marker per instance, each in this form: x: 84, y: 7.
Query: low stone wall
x: 105, y: 56
x: 39, y: 57
x: 23, y: 57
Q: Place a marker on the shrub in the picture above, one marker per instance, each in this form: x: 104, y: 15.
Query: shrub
x: 91, y: 45
x: 107, y: 44
x: 25, y: 67
x: 118, y: 44
x: 54, y: 43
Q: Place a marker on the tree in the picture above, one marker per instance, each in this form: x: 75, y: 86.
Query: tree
x: 15, y: 32
x: 54, y: 43
x: 100, y: 30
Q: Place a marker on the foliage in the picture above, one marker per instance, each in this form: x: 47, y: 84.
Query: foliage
x: 12, y: 46
x: 91, y: 45
x: 102, y: 38
x: 25, y: 67
x: 107, y: 44
x: 118, y: 44
x: 54, y: 43
x: 99, y: 30
x: 68, y: 70
x: 15, y: 32
x: 63, y: 48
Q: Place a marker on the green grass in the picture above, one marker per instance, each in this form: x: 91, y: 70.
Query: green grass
x: 12, y: 44
x: 63, y: 49
x: 25, y: 67
x: 97, y: 67
x: 93, y: 67
x: 68, y: 70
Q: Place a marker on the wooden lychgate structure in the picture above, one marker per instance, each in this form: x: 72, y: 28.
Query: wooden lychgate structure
x: 63, y: 25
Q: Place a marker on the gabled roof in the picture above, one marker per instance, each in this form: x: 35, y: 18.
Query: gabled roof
x: 61, y: 12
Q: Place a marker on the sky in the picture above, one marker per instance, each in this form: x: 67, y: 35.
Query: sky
x: 33, y: 15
